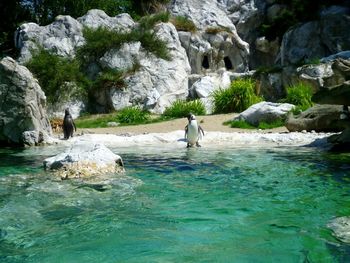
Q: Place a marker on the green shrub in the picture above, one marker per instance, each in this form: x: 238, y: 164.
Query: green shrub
x: 299, y: 95
x: 148, y: 22
x: 181, y: 108
x: 100, y: 40
x: 110, y: 78
x: 183, y: 23
x: 238, y: 97
x: 54, y: 72
x: 153, y: 44
x: 133, y: 115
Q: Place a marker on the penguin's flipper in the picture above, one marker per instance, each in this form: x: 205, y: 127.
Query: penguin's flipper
x: 186, y: 131
x: 200, y: 130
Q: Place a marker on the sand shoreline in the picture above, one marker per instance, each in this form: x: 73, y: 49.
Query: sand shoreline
x: 171, y: 134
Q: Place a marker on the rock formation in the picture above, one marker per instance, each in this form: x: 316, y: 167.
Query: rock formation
x: 265, y: 112
x: 23, y: 118
x: 85, y: 160
x: 320, y: 118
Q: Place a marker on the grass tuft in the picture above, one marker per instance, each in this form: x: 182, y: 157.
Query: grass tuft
x: 183, y: 23
x: 182, y: 108
x: 237, y: 98
x: 300, y: 95
x: 217, y: 29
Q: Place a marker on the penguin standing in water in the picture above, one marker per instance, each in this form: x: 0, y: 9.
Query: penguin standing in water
x: 68, y: 125
x: 193, y: 131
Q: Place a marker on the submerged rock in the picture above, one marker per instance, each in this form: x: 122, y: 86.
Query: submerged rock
x: 84, y: 160
x: 341, y: 228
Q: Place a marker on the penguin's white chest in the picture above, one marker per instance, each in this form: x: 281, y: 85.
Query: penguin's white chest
x: 192, y: 133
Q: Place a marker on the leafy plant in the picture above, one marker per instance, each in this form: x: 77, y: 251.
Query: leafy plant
x: 238, y: 97
x: 299, y: 95
x: 133, y: 115
x: 181, y: 108
x: 54, y: 72
x: 183, y: 23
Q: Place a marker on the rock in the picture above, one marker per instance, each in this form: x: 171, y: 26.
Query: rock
x: 159, y: 82
x: 84, y: 160
x: 208, y: 51
x: 72, y: 98
x: 32, y: 138
x: 98, y: 18
x: 316, y: 39
x: 339, y: 95
x: 270, y: 86
x: 341, y: 228
x: 113, y: 124
x: 205, y: 86
x: 331, y: 58
x: 265, y: 112
x: 22, y: 105
x: 341, y: 142
x: 62, y: 37
x: 321, y: 118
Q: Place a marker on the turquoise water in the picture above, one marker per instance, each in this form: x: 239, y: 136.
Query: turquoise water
x: 178, y: 205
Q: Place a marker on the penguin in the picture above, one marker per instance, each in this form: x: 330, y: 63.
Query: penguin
x: 68, y: 125
x: 193, y: 131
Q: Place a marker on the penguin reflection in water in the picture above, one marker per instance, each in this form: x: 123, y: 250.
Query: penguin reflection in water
x: 193, y: 131
x: 68, y: 125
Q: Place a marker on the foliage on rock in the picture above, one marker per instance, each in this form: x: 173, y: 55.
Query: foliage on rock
x: 183, y: 23
x: 238, y: 97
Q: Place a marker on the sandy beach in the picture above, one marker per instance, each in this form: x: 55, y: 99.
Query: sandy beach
x: 171, y: 134
x: 208, y: 123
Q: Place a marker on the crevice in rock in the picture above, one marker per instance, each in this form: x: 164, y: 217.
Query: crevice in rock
x: 228, y: 63
x: 205, y: 62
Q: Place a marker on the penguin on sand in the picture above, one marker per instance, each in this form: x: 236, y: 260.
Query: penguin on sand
x: 193, y: 131
x: 68, y: 125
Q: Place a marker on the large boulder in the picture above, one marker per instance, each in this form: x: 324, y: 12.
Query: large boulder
x: 316, y: 39
x: 22, y: 105
x: 320, y: 118
x: 61, y: 37
x: 265, y: 112
x: 85, y: 160
x: 339, y: 95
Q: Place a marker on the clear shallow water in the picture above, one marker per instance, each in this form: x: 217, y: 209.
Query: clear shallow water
x: 222, y: 205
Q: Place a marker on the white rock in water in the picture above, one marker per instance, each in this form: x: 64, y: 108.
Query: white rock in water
x: 85, y: 159
x: 341, y: 228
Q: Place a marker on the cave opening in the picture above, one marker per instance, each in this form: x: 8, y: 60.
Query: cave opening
x: 228, y: 63
x: 205, y: 62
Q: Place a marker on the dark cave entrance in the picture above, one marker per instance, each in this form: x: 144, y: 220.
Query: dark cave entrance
x: 228, y: 63
x: 205, y: 62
